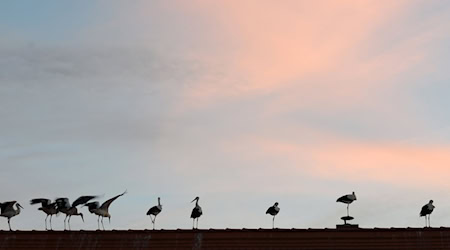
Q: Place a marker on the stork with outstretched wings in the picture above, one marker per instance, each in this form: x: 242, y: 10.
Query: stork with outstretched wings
x: 7, y: 210
x: 48, y: 207
x: 63, y: 206
x: 103, y: 210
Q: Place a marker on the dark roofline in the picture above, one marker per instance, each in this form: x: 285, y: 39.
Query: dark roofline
x: 250, y: 230
x: 228, y: 238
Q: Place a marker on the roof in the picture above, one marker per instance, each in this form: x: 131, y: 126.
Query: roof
x: 351, y: 238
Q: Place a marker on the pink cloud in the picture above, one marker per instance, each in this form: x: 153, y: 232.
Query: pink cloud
x: 354, y: 161
x: 272, y: 45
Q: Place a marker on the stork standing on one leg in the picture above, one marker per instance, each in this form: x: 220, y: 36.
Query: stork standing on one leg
x: 273, y: 210
x: 103, y: 210
x: 7, y: 210
x: 196, y: 212
x: 427, y: 209
x: 47, y: 207
x: 347, y: 199
x: 155, y: 210
x: 63, y: 206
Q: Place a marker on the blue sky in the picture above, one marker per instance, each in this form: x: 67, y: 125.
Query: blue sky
x: 240, y: 103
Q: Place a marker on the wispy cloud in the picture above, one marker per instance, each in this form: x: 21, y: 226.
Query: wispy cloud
x: 238, y: 102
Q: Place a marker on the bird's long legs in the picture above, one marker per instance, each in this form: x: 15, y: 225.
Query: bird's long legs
x: 9, y: 224
x: 65, y: 222
x: 193, y: 223
x: 429, y: 222
x: 347, y: 210
x: 273, y: 222
x: 46, y: 222
x: 103, y: 225
x: 68, y: 222
x: 98, y: 222
x: 51, y: 227
x: 153, y: 221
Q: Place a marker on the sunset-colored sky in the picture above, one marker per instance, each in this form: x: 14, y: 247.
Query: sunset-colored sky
x: 243, y: 103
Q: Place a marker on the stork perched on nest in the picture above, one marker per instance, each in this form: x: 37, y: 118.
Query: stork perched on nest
x: 347, y: 199
x: 7, y: 210
x: 48, y: 207
x: 155, y: 210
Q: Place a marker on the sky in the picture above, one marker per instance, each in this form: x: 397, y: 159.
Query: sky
x: 242, y: 103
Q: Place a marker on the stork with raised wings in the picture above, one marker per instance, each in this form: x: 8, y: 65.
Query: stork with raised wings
x: 103, y: 210
x: 347, y: 199
x: 426, y: 210
x: 155, y: 210
x: 7, y: 210
x: 273, y: 210
x: 48, y: 207
x: 196, y: 212
x: 63, y: 206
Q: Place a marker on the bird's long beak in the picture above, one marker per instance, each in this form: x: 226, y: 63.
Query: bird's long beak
x: 82, y: 217
x: 19, y: 205
x: 194, y: 200
x: 109, y: 218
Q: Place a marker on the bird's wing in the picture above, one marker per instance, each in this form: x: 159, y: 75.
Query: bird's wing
x: 269, y: 210
x: 106, y: 204
x: 153, y: 210
x: 83, y: 200
x: 92, y: 206
x: 52, y: 205
x: 344, y: 199
x: 6, y: 206
x: 424, y: 211
x: 62, y: 202
x: 196, y: 212
x: 43, y: 201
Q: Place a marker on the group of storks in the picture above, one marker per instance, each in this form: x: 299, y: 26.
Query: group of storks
x: 62, y: 205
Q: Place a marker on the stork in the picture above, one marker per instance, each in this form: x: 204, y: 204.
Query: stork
x: 7, y: 210
x: 273, y: 210
x: 47, y: 207
x: 427, y: 209
x: 63, y: 206
x: 196, y: 212
x: 347, y: 199
x: 102, y: 211
x: 155, y: 210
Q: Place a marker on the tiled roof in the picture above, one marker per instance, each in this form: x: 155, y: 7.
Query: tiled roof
x: 351, y: 238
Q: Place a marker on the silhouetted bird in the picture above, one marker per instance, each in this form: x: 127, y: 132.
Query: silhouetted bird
x: 427, y: 209
x: 7, y: 210
x: 347, y: 199
x: 63, y: 206
x: 102, y: 211
x: 273, y: 210
x: 155, y: 210
x: 47, y: 207
x: 196, y: 212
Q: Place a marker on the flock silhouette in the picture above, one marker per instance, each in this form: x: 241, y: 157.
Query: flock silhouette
x: 62, y: 205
